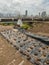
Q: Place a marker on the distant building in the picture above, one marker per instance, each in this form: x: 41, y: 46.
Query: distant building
x: 39, y: 13
x: 26, y: 13
x: 43, y: 15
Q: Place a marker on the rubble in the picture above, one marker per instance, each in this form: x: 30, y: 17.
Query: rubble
x: 33, y: 50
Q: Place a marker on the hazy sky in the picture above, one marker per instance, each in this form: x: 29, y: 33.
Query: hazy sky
x: 33, y: 6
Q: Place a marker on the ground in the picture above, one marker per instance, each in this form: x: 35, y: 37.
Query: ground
x: 40, y: 28
x: 2, y: 28
x: 8, y: 54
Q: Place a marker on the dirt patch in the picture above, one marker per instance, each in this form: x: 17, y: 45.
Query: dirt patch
x: 2, y: 28
x: 40, y: 28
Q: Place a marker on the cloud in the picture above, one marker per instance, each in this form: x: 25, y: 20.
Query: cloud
x: 14, y: 6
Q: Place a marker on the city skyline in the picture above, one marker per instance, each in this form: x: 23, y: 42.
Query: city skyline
x: 19, y: 6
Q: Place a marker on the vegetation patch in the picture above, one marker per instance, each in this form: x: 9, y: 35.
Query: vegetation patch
x: 26, y: 26
x: 5, y: 23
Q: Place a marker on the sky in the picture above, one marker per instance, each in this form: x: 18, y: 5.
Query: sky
x: 19, y: 6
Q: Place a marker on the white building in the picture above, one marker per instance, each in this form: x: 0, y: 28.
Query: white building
x: 19, y: 22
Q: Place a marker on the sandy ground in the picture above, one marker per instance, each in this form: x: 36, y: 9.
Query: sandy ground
x: 2, y: 28
x: 8, y: 54
x: 40, y: 28
x: 43, y: 34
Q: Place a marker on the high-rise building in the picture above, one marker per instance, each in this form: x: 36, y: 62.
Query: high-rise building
x: 39, y: 13
x: 44, y: 15
x: 26, y: 13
